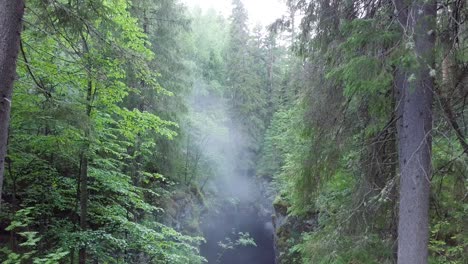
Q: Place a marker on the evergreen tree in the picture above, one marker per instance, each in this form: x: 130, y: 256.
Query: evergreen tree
x: 10, y: 28
x: 137, y: 127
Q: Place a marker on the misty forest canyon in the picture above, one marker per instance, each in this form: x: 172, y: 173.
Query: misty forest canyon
x: 159, y: 131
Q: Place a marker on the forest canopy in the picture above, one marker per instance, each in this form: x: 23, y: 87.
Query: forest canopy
x: 141, y: 131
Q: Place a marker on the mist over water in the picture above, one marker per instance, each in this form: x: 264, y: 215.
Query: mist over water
x: 242, y: 204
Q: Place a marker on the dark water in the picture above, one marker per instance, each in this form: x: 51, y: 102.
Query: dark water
x: 220, y: 225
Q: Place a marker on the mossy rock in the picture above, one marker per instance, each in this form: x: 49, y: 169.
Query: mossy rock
x: 281, y: 206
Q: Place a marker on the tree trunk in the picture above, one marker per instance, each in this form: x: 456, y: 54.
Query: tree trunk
x: 447, y: 91
x: 415, y: 85
x: 83, y: 176
x: 11, y: 14
x: 83, y: 201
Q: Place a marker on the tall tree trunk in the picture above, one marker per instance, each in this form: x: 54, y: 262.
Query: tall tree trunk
x: 415, y: 85
x: 84, y: 156
x: 11, y: 14
x: 83, y: 176
x: 450, y: 71
x: 83, y: 201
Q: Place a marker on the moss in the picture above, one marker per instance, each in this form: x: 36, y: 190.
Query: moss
x: 281, y: 206
x: 289, y: 233
x: 198, y: 194
x: 193, y: 226
x: 179, y: 194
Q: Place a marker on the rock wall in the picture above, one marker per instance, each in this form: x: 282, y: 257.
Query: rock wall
x: 288, y: 232
x: 184, y: 210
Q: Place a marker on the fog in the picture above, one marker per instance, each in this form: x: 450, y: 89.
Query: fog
x: 242, y: 204
x: 258, y: 14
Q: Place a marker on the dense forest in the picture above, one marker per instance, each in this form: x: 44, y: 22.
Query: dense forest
x: 147, y: 131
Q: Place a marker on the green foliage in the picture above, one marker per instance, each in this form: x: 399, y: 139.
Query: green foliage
x: 356, y: 81
x: 140, y: 96
x: 250, y: 69
x: 87, y: 67
x: 241, y: 240
x: 335, y: 160
x: 326, y: 246
x: 447, y: 238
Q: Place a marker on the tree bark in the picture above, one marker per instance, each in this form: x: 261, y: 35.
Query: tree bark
x: 11, y: 14
x: 83, y: 176
x: 415, y: 85
x: 83, y: 201
x: 450, y: 71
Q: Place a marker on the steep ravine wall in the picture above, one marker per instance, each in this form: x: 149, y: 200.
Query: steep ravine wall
x: 288, y: 231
